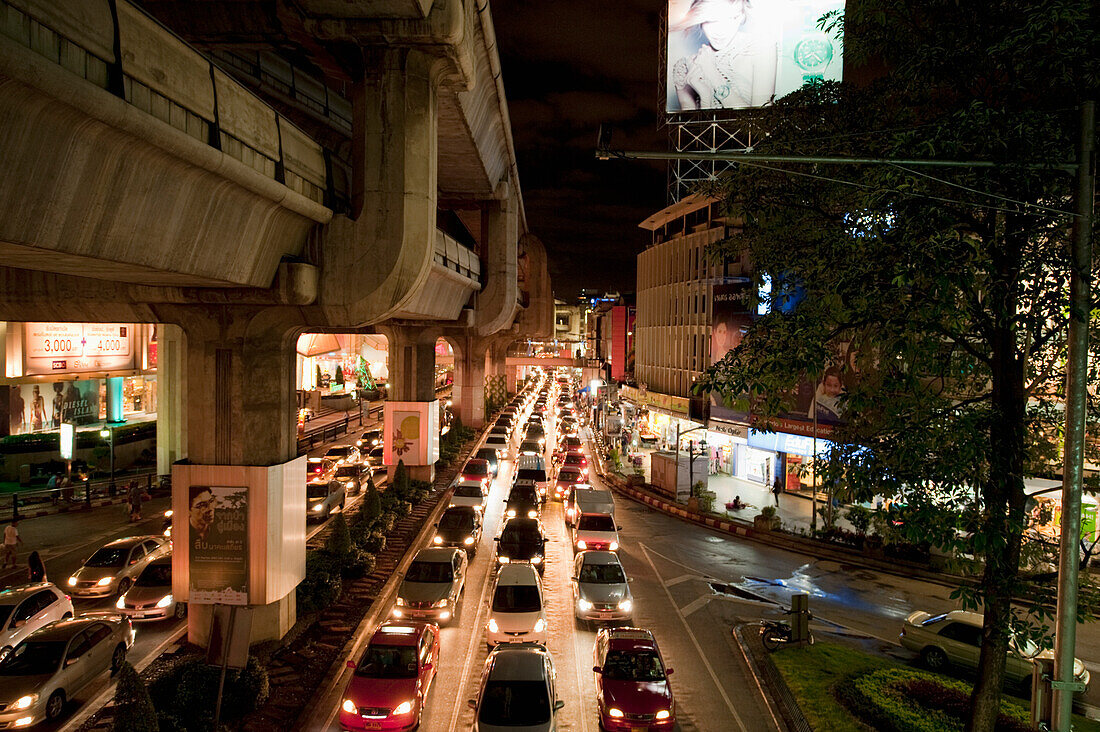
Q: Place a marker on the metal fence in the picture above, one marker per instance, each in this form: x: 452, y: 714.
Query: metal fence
x: 19, y: 504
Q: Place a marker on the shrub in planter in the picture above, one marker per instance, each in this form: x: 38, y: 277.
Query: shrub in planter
x: 860, y: 519
x: 400, y: 482
x: 357, y: 563
x: 401, y: 509
x: 244, y: 692
x: 338, y: 543
x: 706, y: 500
x: 374, y: 542
x: 385, y: 523
x: 134, y: 710
x: 372, y: 503
x: 321, y: 586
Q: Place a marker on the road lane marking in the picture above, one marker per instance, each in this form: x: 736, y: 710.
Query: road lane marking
x: 694, y: 641
x: 696, y: 604
x: 684, y: 578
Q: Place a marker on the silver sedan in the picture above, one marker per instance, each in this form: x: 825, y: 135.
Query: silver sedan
x: 601, y: 590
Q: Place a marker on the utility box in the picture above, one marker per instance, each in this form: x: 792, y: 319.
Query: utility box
x: 1042, y: 711
x: 800, y: 618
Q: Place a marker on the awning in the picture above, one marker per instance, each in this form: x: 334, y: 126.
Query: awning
x: 315, y: 344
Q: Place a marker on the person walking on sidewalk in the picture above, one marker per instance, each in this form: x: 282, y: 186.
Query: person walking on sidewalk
x: 11, y: 541
x: 36, y: 570
x: 134, y: 498
x: 777, y: 489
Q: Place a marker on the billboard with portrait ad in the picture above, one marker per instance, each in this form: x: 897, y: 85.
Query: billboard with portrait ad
x: 217, y: 544
x: 46, y: 406
x: 739, y: 54
x: 731, y: 318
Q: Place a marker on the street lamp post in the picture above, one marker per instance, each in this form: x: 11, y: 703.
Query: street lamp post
x: 680, y: 434
x: 108, y: 433
x: 691, y: 462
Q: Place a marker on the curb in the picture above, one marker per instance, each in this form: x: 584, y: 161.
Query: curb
x: 777, y: 695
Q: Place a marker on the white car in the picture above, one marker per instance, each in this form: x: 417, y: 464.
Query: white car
x: 26, y: 608
x: 151, y: 596
x: 595, y: 531
x: 469, y: 493
x: 516, y: 612
x: 955, y: 638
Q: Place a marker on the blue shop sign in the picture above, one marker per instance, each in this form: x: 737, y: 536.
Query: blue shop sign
x: 784, y: 442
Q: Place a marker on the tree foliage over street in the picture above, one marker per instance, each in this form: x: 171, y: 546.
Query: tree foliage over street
x: 940, y: 293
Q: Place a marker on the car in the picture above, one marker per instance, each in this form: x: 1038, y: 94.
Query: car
x: 568, y: 426
x: 26, y: 608
x: 353, y: 475
x: 469, y: 493
x: 955, y: 639
x: 499, y: 444
x: 343, y: 454
x: 566, y: 479
x: 523, y: 500
x: 569, y: 506
x: 632, y: 688
x: 534, y: 472
x: 522, y: 540
x: 54, y: 663
x: 489, y: 455
x: 151, y: 596
x: 536, y: 433
x: 601, y: 590
x: 595, y: 531
x: 432, y: 585
x: 572, y: 443
x: 459, y: 526
x: 369, y: 439
x: 517, y: 691
x: 516, y: 611
x: 317, y: 468
x: 530, y: 447
x: 375, y: 456
x: 500, y: 429
x: 593, y: 500
x: 392, y: 678
x: 477, y: 469
x: 323, y: 497
x: 576, y: 460
x: 113, y: 567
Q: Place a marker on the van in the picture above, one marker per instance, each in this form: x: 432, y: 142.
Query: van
x: 595, y: 500
x: 533, y: 467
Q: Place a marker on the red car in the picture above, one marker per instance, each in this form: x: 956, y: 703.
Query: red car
x: 575, y: 459
x: 478, y: 469
x: 632, y: 689
x: 567, y: 478
x: 392, y: 678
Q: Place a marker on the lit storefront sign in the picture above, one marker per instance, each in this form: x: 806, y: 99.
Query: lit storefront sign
x: 783, y: 442
x: 50, y: 348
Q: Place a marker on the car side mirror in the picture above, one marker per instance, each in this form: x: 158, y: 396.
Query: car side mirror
x: 472, y: 703
x: 668, y: 671
x: 558, y: 704
x: 20, y: 623
x: 618, y: 528
x: 352, y: 664
x: 597, y: 669
x: 427, y: 667
x: 496, y: 538
x: 71, y: 661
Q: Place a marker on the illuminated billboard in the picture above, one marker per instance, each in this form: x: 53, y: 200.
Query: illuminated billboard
x: 737, y: 54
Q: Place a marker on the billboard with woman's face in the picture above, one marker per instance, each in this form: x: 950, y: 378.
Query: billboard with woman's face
x: 737, y: 54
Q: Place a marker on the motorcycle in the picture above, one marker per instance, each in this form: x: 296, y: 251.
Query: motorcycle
x: 777, y: 633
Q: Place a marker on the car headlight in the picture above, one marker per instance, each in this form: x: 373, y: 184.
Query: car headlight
x: 493, y: 627
x: 22, y: 722
x: 581, y: 544
x: 540, y: 625
x: 400, y: 602
x: 511, y: 513
x: 626, y: 604
x: 104, y: 582
x: 121, y: 603
x: 532, y: 514
x: 165, y: 601
x: 438, y: 539
x: 72, y: 582
x: 616, y: 713
x: 663, y: 714
x: 349, y: 707
x: 503, y: 559
x: 319, y: 507
x: 24, y: 702
x: 536, y: 560
x: 614, y: 546
x: 584, y: 604
x: 468, y: 540
x: 440, y: 603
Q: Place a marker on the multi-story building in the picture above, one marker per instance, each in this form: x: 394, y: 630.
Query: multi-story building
x: 569, y: 325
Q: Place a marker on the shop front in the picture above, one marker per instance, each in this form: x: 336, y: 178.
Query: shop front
x: 771, y: 454
x: 726, y: 441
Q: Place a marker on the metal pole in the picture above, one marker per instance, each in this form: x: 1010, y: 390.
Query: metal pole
x: 813, y: 484
x: 112, y: 483
x: 751, y: 157
x: 677, y: 489
x: 1076, y: 377
x: 227, y: 641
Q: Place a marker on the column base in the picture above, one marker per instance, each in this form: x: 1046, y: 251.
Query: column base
x: 269, y: 622
x: 421, y: 472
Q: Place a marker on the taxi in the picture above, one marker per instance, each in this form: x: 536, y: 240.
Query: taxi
x: 392, y: 678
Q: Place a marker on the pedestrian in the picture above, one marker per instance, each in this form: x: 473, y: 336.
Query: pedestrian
x: 134, y: 497
x: 36, y: 570
x: 67, y: 488
x: 777, y: 489
x: 51, y: 485
x: 11, y: 541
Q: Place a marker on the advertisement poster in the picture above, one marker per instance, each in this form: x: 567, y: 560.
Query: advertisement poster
x: 34, y: 407
x: 50, y: 348
x: 411, y: 433
x: 217, y: 536
x: 738, y: 54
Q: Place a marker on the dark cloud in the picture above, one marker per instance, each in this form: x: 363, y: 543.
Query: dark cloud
x: 568, y: 66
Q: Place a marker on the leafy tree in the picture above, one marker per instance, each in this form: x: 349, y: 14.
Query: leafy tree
x: 401, y: 480
x: 339, y: 542
x: 319, y: 377
x: 339, y: 378
x: 938, y: 293
x: 134, y: 710
x: 372, y: 503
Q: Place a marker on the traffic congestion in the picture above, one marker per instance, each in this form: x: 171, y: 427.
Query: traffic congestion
x: 511, y: 499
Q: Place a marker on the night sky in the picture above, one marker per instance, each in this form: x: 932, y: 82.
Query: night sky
x: 568, y: 66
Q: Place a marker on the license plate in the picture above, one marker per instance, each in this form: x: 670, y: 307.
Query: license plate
x: 605, y: 616
x: 372, y: 725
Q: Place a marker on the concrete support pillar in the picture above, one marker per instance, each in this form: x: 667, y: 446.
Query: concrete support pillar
x: 468, y: 393
x: 498, y: 364
x: 171, y: 397
x: 412, y: 374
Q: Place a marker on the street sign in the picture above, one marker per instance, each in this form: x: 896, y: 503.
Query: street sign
x: 68, y: 440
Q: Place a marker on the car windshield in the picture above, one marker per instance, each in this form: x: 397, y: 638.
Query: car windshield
x: 602, y: 574
x: 487, y: 455
x: 633, y: 666
x: 388, y: 662
x: 456, y: 521
x: 338, y: 452
x: 32, y: 658
x: 377, y: 452
x: 468, y: 491
x: 514, y: 703
x: 315, y: 491
x: 519, y: 535
x: 535, y: 431
x: 529, y: 446
x: 429, y: 572
x: 575, y: 460
x: 570, y: 475
x: 109, y: 556
x: 155, y: 575
x: 478, y: 468
x: 347, y: 471
x: 516, y: 599
x: 596, y: 522
x: 523, y: 494
x: 530, y: 474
